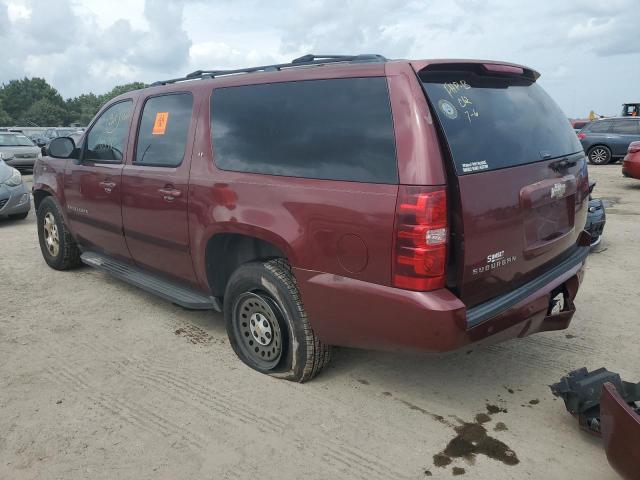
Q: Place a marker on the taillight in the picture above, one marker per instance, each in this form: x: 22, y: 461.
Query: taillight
x: 421, y: 237
x: 581, y: 135
x: 634, y: 147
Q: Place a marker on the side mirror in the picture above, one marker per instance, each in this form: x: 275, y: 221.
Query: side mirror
x: 61, y: 147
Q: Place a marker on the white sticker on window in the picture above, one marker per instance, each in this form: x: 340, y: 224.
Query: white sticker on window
x: 475, y: 166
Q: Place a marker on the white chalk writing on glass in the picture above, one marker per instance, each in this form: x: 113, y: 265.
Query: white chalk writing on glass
x: 457, y: 91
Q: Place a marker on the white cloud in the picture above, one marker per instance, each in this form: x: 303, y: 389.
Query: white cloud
x: 18, y: 11
x: 91, y: 45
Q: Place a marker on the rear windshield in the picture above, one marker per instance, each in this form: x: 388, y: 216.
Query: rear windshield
x: 493, y: 122
x: 11, y: 140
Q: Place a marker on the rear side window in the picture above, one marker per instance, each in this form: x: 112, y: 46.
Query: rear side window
x: 493, y: 122
x: 164, y: 126
x: 626, y: 126
x: 107, y: 138
x: 328, y: 129
x: 598, y: 127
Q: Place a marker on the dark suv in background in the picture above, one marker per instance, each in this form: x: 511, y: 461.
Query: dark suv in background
x: 608, y: 139
x: 350, y: 200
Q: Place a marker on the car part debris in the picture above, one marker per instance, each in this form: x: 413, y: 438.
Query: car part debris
x: 620, y: 424
x: 605, y: 405
x: 596, y: 217
x: 581, y: 391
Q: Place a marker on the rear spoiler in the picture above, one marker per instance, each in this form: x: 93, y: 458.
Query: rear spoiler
x: 481, y: 67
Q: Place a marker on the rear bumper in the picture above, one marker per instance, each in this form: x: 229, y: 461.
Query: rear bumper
x: 596, y: 219
x: 21, y: 162
x: 352, y: 313
x: 631, y: 168
x: 620, y: 433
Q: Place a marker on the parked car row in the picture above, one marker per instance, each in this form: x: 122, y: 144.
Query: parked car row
x: 21, y: 151
x: 44, y: 138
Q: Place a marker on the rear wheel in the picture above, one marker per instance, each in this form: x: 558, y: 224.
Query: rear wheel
x: 58, y: 247
x: 599, y: 155
x: 267, y: 325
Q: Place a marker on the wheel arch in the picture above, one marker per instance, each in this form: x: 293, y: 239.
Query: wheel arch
x: 40, y: 194
x: 225, y: 251
x: 596, y: 145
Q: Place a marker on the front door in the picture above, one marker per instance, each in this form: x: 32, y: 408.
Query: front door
x: 155, y: 187
x: 93, y: 185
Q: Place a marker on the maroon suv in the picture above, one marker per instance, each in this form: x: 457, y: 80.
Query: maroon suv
x: 347, y: 200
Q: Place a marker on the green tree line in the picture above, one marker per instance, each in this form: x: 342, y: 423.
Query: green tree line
x: 32, y: 101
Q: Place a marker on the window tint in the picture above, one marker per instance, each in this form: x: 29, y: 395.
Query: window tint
x: 495, y: 122
x: 108, y: 136
x: 626, y: 126
x: 329, y: 129
x: 598, y: 127
x: 163, y: 130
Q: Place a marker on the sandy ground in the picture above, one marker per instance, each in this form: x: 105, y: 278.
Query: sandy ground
x: 101, y: 380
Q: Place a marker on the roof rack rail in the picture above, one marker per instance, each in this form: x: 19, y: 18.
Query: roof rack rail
x: 309, y: 59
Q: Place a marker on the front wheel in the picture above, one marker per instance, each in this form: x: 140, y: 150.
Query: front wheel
x: 58, y: 247
x: 267, y: 325
x: 599, y: 155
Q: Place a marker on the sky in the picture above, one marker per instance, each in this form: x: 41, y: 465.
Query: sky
x: 587, y: 51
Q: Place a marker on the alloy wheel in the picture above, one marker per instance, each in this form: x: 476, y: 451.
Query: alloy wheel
x: 599, y: 156
x: 51, y: 237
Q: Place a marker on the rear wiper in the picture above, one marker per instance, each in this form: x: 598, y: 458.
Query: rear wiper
x: 562, y: 164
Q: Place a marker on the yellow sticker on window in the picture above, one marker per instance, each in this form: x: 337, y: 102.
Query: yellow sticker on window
x: 160, y: 125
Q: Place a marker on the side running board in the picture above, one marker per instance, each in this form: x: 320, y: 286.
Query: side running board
x: 183, y: 296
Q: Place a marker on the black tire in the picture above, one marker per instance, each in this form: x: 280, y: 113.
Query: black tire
x: 267, y: 292
x: 599, y: 155
x: 67, y: 254
x: 19, y: 216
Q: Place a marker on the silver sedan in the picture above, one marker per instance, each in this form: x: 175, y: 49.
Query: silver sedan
x: 15, y: 200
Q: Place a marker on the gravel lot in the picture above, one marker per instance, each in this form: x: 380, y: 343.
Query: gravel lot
x: 101, y: 380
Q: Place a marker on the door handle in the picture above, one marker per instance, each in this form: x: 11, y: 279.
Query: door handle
x: 169, y: 194
x: 108, y: 186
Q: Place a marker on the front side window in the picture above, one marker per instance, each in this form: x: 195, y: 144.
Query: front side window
x: 339, y: 129
x: 164, y: 126
x: 108, y: 137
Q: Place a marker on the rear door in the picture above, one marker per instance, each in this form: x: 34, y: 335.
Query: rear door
x: 624, y: 132
x: 517, y: 172
x: 155, y: 187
